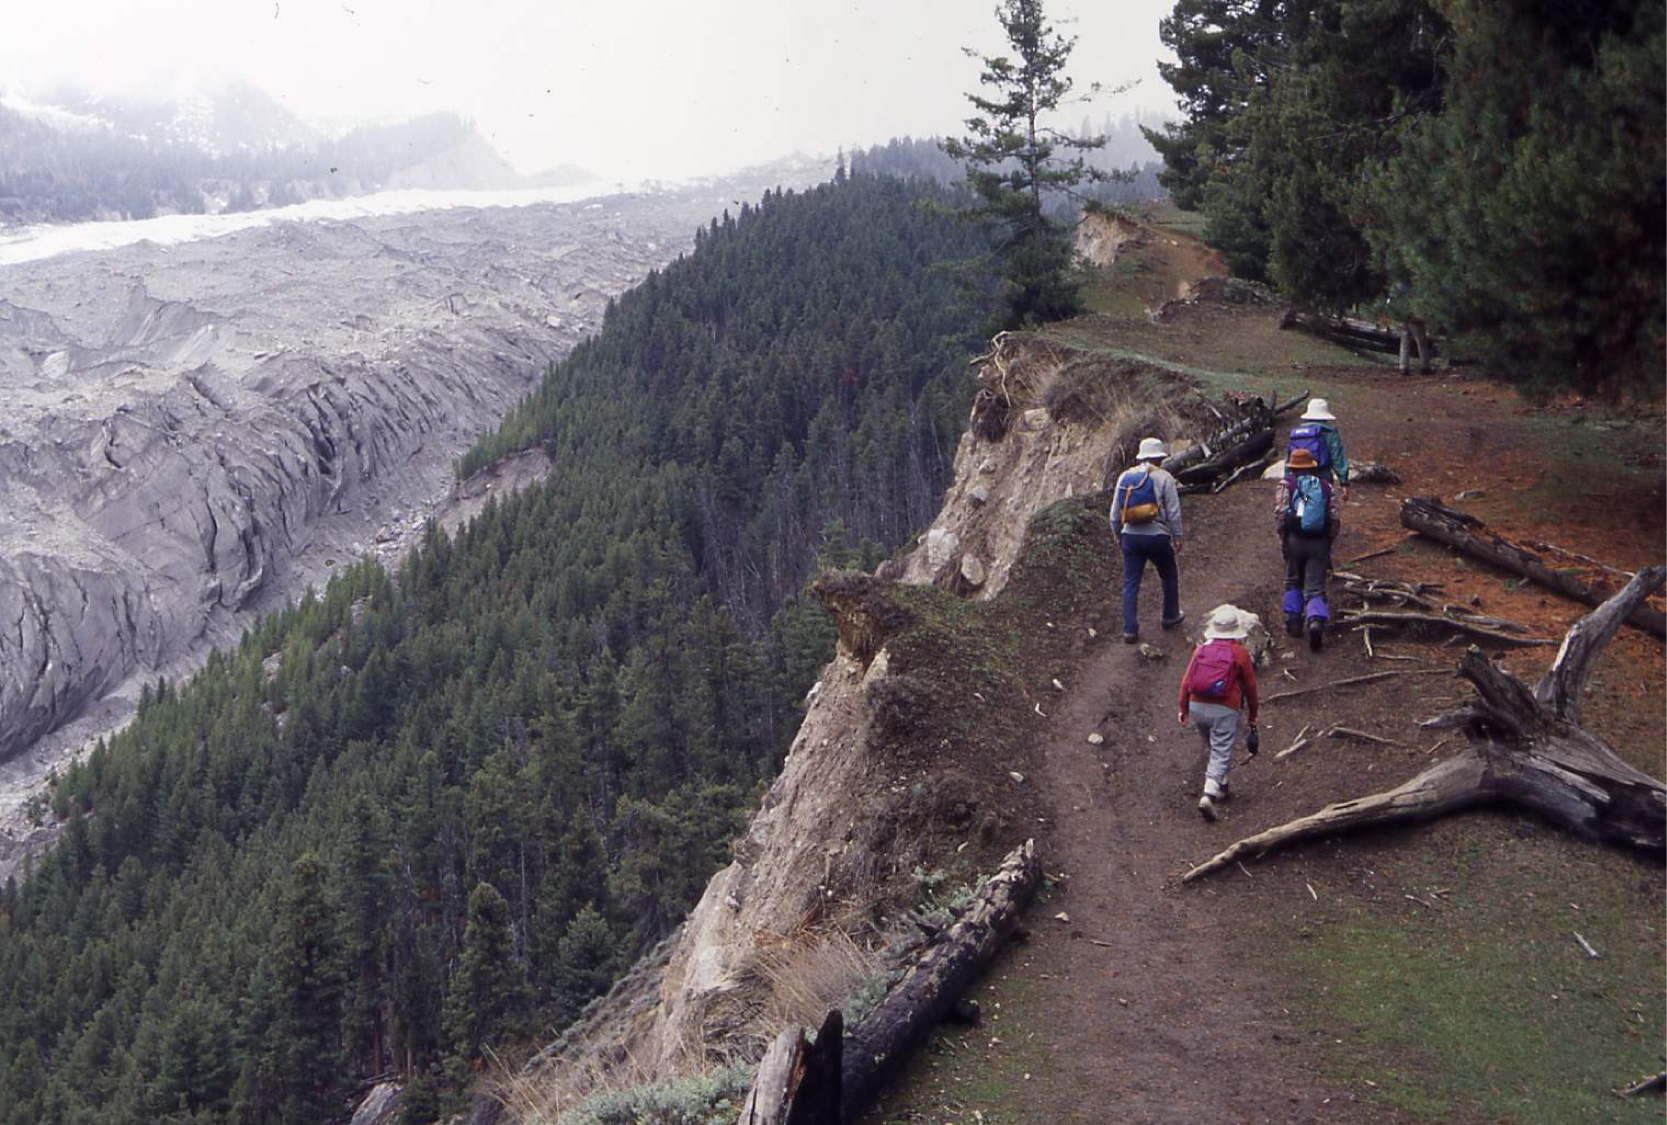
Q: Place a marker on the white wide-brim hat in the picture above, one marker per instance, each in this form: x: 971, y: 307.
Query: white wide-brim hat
x: 1151, y: 449
x: 1226, y: 625
x: 1318, y: 411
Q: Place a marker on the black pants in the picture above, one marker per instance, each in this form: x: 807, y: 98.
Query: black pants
x: 1307, y: 567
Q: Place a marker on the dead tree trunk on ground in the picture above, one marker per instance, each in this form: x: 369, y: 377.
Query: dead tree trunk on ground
x: 1470, y: 535
x: 879, y: 1043
x: 1527, y: 748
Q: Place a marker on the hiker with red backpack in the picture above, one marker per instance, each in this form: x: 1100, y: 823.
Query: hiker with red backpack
x: 1146, y: 518
x: 1219, y: 678
x: 1306, y: 518
x: 1316, y: 433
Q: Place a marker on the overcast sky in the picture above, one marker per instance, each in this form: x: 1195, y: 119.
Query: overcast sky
x: 625, y: 88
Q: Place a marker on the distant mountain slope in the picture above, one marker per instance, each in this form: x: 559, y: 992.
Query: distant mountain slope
x: 75, y: 157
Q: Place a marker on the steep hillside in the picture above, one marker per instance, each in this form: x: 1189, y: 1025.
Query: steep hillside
x: 427, y: 814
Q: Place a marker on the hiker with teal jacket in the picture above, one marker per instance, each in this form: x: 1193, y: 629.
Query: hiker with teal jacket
x: 1316, y: 433
x: 1146, y: 518
x: 1306, y: 518
x: 1220, y: 678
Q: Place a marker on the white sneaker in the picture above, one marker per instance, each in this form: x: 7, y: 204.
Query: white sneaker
x: 1207, y: 808
x: 1215, y: 790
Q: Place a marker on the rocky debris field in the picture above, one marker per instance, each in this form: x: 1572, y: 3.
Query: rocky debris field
x: 190, y: 434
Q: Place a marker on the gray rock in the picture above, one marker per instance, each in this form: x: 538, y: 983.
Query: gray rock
x: 978, y: 495
x: 941, y: 546
x: 972, y: 570
x: 380, y: 1106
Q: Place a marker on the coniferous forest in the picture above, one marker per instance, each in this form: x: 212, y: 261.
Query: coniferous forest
x: 426, y: 812
x: 1490, y: 167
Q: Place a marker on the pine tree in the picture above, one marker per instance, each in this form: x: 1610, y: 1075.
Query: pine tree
x: 1013, y: 164
x: 488, y: 990
x: 305, y: 1037
x: 587, y: 958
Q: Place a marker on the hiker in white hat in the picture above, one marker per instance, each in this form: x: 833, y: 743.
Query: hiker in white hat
x: 1306, y: 518
x: 1146, y: 518
x: 1219, y: 678
x: 1316, y: 433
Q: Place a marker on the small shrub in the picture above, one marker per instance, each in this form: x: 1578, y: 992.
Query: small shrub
x: 713, y: 1098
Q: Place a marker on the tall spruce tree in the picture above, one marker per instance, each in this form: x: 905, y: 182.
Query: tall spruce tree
x: 1015, y: 160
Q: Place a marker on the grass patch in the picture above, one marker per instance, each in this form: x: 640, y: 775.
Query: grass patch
x: 1573, y: 446
x: 1170, y: 217
x: 1484, y: 1008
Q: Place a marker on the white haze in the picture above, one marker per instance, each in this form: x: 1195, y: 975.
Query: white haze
x: 626, y: 88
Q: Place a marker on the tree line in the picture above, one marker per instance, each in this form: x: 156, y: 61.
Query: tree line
x: 420, y: 814
x: 1491, y: 167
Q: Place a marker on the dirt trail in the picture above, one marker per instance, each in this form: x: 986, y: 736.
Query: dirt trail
x: 1142, y: 976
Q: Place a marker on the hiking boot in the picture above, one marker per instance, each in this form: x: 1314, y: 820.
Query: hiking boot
x: 1131, y: 638
x: 1176, y: 620
x: 1293, y: 624
x: 1207, y: 809
x: 1316, y: 634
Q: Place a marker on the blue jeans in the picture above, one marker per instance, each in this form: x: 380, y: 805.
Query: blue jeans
x: 1138, y: 550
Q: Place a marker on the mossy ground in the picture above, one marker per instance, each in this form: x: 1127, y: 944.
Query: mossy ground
x: 1476, y: 1003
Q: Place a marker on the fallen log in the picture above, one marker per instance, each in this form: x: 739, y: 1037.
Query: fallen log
x: 881, y: 1041
x: 1654, y: 1084
x: 1470, y: 535
x: 1348, y: 331
x: 1527, y: 749
x: 788, y: 1091
x: 1246, y: 451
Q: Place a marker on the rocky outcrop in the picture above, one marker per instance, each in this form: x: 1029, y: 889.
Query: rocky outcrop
x: 1072, y: 422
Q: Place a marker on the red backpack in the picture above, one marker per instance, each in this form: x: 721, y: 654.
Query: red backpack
x: 1213, y: 671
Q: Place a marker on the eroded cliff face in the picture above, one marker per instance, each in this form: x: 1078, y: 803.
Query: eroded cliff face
x: 192, y: 433
x: 815, y: 855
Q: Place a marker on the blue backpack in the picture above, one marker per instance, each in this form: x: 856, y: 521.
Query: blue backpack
x: 1311, y: 437
x: 1307, y: 511
x: 1140, y: 498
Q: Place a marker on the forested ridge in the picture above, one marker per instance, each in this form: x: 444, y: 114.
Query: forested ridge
x: 418, y: 814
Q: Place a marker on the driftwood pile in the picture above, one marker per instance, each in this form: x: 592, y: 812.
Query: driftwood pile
x: 1240, y: 449
x: 1383, y: 603
x: 833, y: 1080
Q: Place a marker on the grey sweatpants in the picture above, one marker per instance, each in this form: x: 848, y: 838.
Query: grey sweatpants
x: 1218, y: 726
